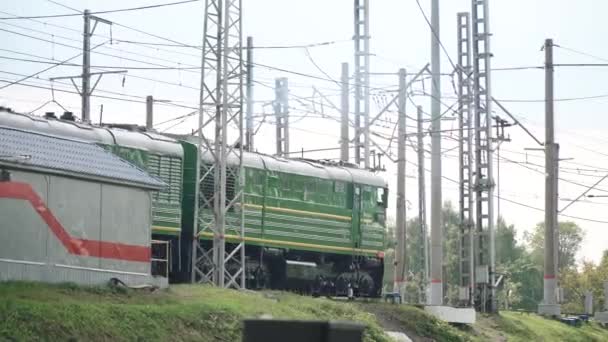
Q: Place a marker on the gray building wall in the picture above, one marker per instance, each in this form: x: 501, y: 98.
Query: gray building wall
x: 87, y: 210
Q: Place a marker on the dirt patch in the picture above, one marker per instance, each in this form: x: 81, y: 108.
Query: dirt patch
x: 389, y: 322
x: 487, y: 328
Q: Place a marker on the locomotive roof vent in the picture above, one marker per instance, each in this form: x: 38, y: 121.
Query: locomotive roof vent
x: 68, y: 116
x: 50, y: 115
x: 127, y: 127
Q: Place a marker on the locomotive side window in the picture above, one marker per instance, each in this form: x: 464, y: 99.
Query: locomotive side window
x: 310, y: 188
x: 339, y: 195
x: 382, y: 194
x: 273, y: 185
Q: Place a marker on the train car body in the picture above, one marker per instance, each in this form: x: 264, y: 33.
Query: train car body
x: 309, y: 226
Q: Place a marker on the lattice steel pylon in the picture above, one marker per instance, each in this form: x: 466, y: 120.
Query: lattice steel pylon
x: 484, y: 180
x: 465, y: 142
x: 219, y: 186
x: 361, y: 39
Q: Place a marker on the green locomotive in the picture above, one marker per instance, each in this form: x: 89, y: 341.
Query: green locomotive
x: 310, y: 226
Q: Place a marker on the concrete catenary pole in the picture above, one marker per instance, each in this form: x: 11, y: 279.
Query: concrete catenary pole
x: 436, y: 297
x: 86, y: 67
x: 281, y: 110
x: 86, y: 89
x: 485, y: 292
x: 549, y: 306
x: 361, y: 72
x: 465, y: 152
x: 400, y: 251
x: 149, y: 112
x: 424, y: 248
x: 249, y: 132
x: 344, y: 148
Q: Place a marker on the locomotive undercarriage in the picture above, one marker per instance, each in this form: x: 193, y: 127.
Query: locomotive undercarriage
x: 317, y: 274
x: 311, y: 273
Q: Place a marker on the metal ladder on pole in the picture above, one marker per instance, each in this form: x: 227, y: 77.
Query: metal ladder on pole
x: 466, y: 253
x: 484, y: 182
x: 361, y: 39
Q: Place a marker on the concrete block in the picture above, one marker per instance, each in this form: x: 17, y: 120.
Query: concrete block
x: 551, y: 310
x: 601, y: 317
x: 452, y: 315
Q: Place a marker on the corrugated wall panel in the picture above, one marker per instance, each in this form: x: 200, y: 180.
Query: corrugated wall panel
x: 30, y: 251
x: 125, y: 218
x: 76, y: 204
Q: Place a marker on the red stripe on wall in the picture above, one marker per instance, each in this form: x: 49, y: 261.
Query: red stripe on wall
x: 76, y: 246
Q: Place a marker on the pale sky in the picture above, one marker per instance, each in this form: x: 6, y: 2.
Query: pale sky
x: 399, y: 38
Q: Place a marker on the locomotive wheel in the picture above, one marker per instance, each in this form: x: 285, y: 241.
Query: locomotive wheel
x: 342, y: 284
x: 365, y: 284
x: 261, y: 279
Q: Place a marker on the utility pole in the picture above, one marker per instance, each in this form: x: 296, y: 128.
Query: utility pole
x: 86, y: 68
x: 549, y: 305
x: 362, y: 53
x: 465, y: 142
x: 249, y: 94
x: 400, y: 251
x: 436, y: 297
x: 281, y: 111
x: 344, y: 148
x: 149, y: 113
x: 485, y: 270
x: 422, y: 204
x: 86, y: 89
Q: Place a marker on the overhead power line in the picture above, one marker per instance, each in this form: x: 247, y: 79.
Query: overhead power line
x: 94, y: 66
x: 261, y: 47
x: 99, y: 12
x: 580, y: 52
x: 47, y: 69
x: 93, y: 95
x: 519, y: 203
x: 564, y: 99
x: 159, y: 66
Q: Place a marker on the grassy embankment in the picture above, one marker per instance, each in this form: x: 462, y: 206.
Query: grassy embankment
x: 508, y: 326
x: 30, y: 311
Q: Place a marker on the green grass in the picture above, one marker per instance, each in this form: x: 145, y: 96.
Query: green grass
x: 530, y: 327
x: 33, y: 311
x: 507, y: 326
x: 30, y: 311
x: 415, y: 322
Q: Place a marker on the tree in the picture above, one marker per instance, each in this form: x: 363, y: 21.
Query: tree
x: 576, y: 282
x: 415, y: 257
x: 522, y: 282
x: 507, y: 249
x: 524, y: 278
x: 570, y: 239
